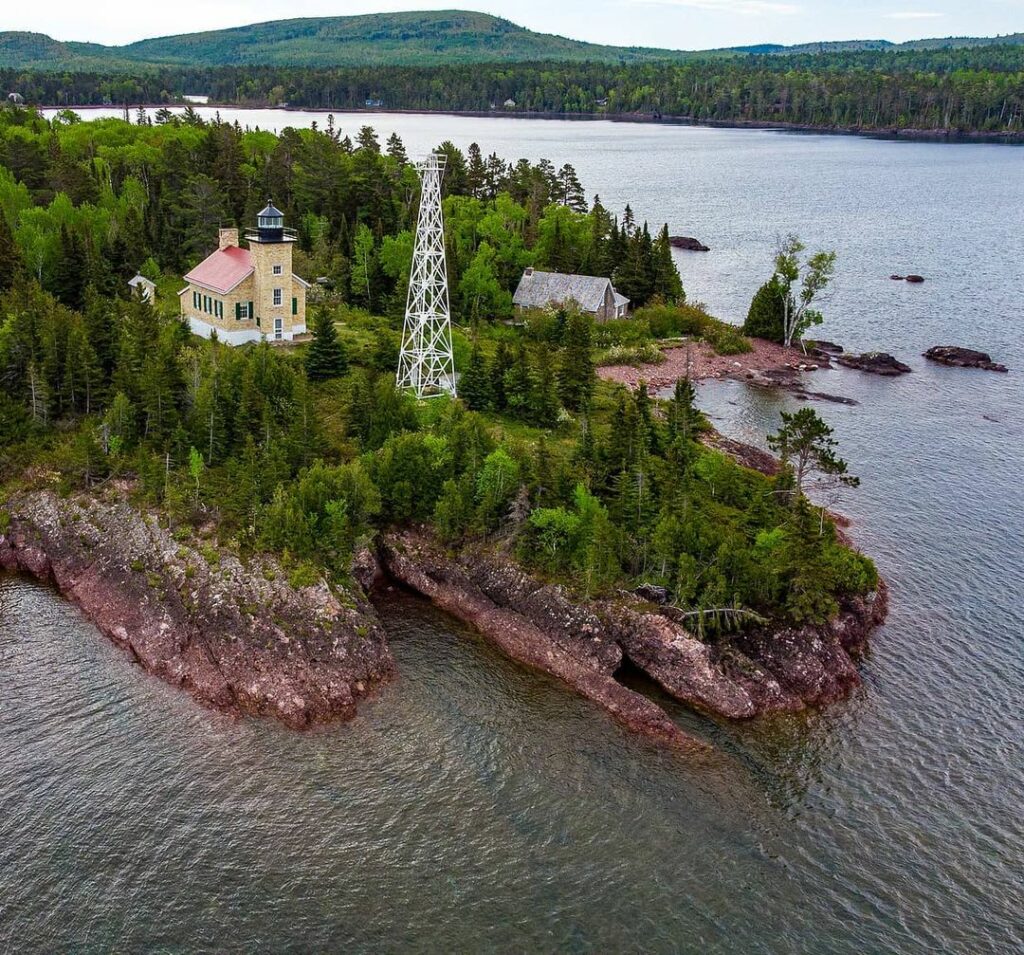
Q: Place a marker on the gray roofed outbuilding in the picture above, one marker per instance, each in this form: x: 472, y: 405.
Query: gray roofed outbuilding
x: 592, y: 293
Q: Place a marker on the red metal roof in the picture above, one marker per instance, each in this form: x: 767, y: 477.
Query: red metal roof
x: 222, y: 270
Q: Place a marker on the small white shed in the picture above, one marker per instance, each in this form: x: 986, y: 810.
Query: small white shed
x: 143, y: 287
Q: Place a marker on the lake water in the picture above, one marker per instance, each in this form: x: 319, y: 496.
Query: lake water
x: 477, y: 807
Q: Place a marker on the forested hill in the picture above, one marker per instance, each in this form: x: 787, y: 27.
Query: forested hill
x: 406, y: 39
x: 419, y: 38
x: 954, y: 91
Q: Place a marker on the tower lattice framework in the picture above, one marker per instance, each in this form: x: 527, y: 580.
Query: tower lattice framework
x: 425, y: 364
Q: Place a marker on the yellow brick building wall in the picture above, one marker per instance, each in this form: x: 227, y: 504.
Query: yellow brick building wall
x: 292, y: 308
x: 221, y: 312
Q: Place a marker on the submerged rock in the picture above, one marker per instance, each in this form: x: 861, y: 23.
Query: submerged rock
x: 824, y: 348
x: 875, y: 362
x: 963, y: 358
x: 239, y: 637
x: 687, y: 243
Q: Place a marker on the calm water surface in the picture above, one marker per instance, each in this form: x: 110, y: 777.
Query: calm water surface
x: 476, y: 807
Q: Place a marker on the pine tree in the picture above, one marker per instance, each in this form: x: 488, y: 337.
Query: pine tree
x: 667, y: 284
x: 500, y: 365
x: 598, y: 258
x: 544, y: 404
x: 570, y: 191
x: 648, y: 435
x: 69, y: 275
x: 475, y: 172
x: 325, y: 357
x: 576, y: 370
x: 766, y: 316
x: 682, y: 415
x: 10, y: 257
x: 83, y: 377
x: 396, y: 149
x: 475, y: 382
x: 519, y: 384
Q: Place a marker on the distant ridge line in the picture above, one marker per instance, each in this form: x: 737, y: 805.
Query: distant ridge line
x: 392, y: 39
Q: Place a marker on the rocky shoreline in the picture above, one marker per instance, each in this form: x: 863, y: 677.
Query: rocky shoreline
x: 768, y: 670
x: 242, y: 639
x: 239, y: 638
x: 699, y: 361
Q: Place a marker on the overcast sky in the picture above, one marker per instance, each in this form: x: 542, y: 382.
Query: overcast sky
x: 675, y: 24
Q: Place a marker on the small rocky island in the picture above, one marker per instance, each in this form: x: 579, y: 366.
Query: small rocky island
x: 963, y: 358
x: 687, y: 243
x: 875, y: 363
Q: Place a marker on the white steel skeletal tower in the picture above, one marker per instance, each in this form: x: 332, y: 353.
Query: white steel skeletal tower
x: 425, y: 363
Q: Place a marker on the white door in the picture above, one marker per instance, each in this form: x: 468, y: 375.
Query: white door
x: 277, y: 328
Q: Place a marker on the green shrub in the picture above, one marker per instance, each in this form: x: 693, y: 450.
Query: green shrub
x: 304, y: 575
x: 727, y: 339
x: 622, y: 331
x: 673, y: 321
x: 766, y: 316
x: 635, y: 355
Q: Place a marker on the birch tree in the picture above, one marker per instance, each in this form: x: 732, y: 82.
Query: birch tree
x: 801, y: 283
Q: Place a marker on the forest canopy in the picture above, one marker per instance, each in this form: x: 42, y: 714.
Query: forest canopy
x: 973, y: 89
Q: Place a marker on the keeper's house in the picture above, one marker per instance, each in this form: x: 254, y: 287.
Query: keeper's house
x: 591, y: 293
x: 246, y: 295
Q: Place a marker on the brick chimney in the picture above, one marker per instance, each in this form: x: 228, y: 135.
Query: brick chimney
x: 228, y: 238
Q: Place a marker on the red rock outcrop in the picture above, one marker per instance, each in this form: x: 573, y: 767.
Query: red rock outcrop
x: 764, y: 671
x: 238, y: 638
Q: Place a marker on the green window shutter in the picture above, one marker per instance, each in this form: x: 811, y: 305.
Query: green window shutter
x: 252, y: 313
x: 295, y: 305
x: 238, y: 311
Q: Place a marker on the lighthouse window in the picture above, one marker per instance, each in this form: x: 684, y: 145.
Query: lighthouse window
x: 278, y: 296
x: 277, y: 270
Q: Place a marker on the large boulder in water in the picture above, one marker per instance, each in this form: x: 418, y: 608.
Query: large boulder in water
x: 687, y: 243
x: 875, y: 362
x: 963, y: 358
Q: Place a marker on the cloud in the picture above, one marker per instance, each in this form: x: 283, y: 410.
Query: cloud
x: 746, y: 7
x: 912, y: 15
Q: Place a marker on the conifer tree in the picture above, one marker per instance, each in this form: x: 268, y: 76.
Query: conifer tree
x: 586, y: 454
x: 475, y: 382
x: 500, y: 365
x: 396, y: 149
x: 519, y: 384
x: 576, y: 368
x: 325, y: 357
x: 544, y: 404
x: 766, y: 316
x: 682, y: 415
x: 475, y: 172
x: 570, y: 191
x: 10, y: 257
x: 666, y: 285
x: 82, y: 373
x: 69, y: 275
